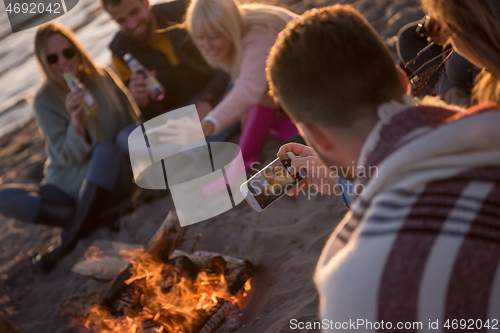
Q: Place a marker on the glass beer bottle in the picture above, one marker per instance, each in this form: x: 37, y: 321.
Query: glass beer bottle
x: 156, y: 90
x: 89, y: 103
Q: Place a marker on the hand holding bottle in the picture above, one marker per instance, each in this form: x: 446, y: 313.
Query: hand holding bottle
x: 87, y: 101
x: 138, y: 86
x: 153, y: 86
x: 74, y: 106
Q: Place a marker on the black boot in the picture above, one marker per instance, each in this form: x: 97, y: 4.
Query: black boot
x: 54, y: 214
x: 91, y: 200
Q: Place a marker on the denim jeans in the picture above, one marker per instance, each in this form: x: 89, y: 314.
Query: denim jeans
x: 347, y: 191
x: 109, y: 168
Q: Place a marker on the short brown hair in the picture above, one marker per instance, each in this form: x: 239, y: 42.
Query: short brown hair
x: 331, y: 66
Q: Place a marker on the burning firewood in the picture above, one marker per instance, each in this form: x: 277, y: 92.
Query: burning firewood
x: 168, y: 237
x: 216, y: 315
x: 170, y: 291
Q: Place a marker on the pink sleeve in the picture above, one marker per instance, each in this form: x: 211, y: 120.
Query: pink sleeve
x: 251, y: 84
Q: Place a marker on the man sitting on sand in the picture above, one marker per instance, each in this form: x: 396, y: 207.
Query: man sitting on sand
x: 422, y: 243
x: 169, y: 53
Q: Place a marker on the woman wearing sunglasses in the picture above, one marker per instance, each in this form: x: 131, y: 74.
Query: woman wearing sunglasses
x: 474, y: 27
x: 86, y: 167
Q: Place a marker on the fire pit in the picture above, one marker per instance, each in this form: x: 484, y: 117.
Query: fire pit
x: 170, y: 291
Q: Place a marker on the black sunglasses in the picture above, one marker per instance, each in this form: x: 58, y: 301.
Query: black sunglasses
x: 68, y: 53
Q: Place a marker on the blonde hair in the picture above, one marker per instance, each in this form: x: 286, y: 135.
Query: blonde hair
x: 91, y: 75
x: 234, y: 21
x: 477, y: 23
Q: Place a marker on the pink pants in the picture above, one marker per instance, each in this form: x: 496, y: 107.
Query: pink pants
x: 260, y: 121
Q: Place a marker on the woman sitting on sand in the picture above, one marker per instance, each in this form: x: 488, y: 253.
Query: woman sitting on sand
x: 86, y: 169
x: 237, y: 39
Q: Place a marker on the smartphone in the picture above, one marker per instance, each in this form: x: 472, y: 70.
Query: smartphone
x: 271, y: 183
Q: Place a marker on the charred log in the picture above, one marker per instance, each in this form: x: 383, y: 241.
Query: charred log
x: 184, y: 267
x: 237, y: 277
x: 217, y: 265
x: 216, y: 316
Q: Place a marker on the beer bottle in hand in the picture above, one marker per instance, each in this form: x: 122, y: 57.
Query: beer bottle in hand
x: 156, y: 90
x: 89, y: 103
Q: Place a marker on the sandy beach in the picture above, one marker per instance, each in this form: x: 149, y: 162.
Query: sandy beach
x: 283, y: 243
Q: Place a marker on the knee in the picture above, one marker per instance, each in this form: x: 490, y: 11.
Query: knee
x: 105, y: 154
x: 18, y: 203
x: 105, y: 164
x: 5, y: 198
x: 122, y: 138
x: 105, y: 148
x: 105, y: 151
x: 10, y: 194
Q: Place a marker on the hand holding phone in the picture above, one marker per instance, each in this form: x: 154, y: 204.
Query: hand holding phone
x: 319, y: 176
x: 271, y: 183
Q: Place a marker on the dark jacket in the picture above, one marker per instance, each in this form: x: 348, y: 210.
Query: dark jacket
x: 192, y: 79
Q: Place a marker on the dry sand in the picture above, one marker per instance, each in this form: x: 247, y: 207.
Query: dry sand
x: 283, y: 243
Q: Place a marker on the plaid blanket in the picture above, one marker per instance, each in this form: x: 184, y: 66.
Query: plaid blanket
x: 422, y: 243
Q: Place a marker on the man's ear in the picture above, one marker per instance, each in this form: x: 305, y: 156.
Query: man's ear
x: 319, y: 137
x: 146, y: 2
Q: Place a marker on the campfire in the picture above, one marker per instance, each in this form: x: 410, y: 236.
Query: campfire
x: 169, y: 291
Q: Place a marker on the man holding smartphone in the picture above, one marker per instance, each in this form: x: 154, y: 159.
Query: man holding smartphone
x: 421, y: 244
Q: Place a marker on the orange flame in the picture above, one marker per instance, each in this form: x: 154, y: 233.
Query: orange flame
x: 170, y: 303
x: 129, y: 254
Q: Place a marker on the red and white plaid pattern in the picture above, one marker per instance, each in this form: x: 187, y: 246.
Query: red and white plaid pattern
x: 423, y: 242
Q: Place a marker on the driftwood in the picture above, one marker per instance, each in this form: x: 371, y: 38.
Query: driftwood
x: 168, y: 237
x: 108, y: 262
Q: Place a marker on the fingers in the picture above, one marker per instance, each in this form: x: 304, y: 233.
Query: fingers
x: 298, y: 188
x: 138, y: 89
x: 138, y: 78
x: 76, y: 96
x: 78, y: 111
x: 74, y: 100
x: 170, y: 130
x: 172, y: 139
x: 306, y: 163
x: 296, y: 148
x: 179, y: 139
x: 138, y: 86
